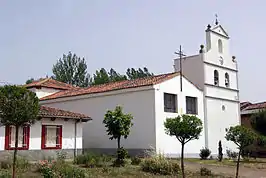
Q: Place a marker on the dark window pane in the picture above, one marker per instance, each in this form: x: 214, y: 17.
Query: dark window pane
x: 170, y: 102
x: 191, y: 105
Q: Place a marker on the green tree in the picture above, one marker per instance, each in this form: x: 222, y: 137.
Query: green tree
x: 258, y: 122
x: 18, y: 107
x: 71, y: 69
x: 114, y: 76
x: 242, y: 137
x: 137, y: 73
x: 185, y: 128
x: 118, y: 124
x: 100, y: 77
x: 29, y: 80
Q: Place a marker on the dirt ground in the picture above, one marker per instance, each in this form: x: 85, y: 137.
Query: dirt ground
x: 229, y: 170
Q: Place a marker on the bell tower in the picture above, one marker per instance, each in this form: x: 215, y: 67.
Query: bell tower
x: 221, y: 90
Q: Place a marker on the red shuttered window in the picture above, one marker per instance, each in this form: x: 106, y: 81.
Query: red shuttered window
x: 23, y: 138
x: 51, y: 137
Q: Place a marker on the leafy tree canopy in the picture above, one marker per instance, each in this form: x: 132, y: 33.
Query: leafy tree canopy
x: 29, y: 80
x: 184, y: 128
x: 137, y: 73
x: 118, y: 124
x: 258, y: 122
x: 17, y: 105
x: 71, y: 69
x: 241, y: 136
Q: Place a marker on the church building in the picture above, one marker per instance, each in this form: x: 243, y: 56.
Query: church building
x: 207, y: 86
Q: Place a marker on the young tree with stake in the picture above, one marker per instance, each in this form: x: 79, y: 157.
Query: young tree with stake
x: 185, y: 128
x: 118, y: 125
x: 18, y: 107
x: 242, y: 137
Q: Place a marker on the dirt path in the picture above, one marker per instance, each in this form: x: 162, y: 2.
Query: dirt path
x: 229, y: 170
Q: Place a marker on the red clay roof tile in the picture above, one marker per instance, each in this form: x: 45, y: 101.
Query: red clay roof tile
x: 46, y: 111
x: 147, y: 81
x: 261, y: 105
x: 50, y: 83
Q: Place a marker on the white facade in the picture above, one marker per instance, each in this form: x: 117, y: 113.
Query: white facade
x: 68, y: 134
x: 44, y: 91
x: 221, y: 101
x: 146, y: 104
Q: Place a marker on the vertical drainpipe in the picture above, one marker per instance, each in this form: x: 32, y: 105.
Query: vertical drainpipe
x: 75, y: 139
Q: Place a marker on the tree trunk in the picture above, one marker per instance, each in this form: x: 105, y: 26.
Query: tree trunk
x: 15, y: 153
x: 237, y: 165
x: 182, y: 160
x: 118, y: 142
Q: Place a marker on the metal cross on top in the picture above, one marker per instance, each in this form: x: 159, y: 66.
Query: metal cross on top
x: 181, y: 55
x: 216, y: 19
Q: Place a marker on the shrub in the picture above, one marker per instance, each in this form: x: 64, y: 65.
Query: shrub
x: 231, y: 154
x: 59, y: 169
x: 160, y: 166
x: 22, y: 163
x: 92, y: 160
x: 205, y: 172
x: 121, y: 156
x: 66, y: 170
x: 61, y: 156
x: 6, y: 164
x: 220, y: 151
x: 204, y: 153
x: 135, y: 160
x: 5, y: 174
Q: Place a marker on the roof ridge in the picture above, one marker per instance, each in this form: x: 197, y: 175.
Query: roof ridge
x: 118, y: 85
x: 43, y: 81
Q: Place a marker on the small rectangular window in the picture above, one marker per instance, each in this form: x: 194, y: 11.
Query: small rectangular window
x: 51, y: 137
x: 170, y: 102
x: 191, y: 105
x: 23, y: 137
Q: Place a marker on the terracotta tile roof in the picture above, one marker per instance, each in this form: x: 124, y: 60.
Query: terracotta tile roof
x: 243, y: 105
x: 50, y: 83
x: 50, y: 112
x: 261, y: 105
x: 147, y: 81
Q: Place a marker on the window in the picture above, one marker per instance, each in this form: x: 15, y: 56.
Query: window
x: 51, y: 137
x: 216, y: 78
x: 170, y: 102
x: 191, y: 105
x: 23, y: 137
x: 220, y: 46
x: 227, y: 83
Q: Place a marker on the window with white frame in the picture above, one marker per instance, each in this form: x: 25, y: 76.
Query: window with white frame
x: 170, y: 102
x: 51, y: 136
x: 23, y: 137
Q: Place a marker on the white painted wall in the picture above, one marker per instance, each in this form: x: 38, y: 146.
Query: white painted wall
x: 44, y: 91
x: 138, y: 103
x: 219, y: 120
x: 165, y: 143
x: 68, y: 134
x: 192, y: 68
